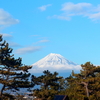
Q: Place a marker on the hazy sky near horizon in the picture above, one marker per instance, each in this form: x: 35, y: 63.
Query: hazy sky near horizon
x: 36, y: 28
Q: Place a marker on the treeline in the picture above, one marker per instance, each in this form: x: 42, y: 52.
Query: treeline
x: 14, y: 76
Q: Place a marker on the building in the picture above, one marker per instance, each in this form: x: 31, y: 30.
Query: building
x: 61, y: 97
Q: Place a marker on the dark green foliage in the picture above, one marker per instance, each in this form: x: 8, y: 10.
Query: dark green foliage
x: 86, y: 84
x: 13, y: 74
x: 81, y: 86
x: 49, y: 85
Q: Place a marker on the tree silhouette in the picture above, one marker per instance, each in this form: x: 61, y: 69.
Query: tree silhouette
x: 48, y: 83
x: 13, y: 74
x: 85, y: 84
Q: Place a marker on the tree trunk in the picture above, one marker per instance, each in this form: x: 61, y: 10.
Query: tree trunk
x: 86, y: 86
x: 87, y: 91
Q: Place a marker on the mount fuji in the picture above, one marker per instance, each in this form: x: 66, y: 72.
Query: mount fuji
x: 54, y: 62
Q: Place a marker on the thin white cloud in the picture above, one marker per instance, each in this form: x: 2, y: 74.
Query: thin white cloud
x: 6, y: 18
x: 70, y: 9
x: 8, y: 38
x: 6, y: 35
x: 13, y: 44
x: 44, y: 7
x: 28, y: 49
x: 95, y: 16
x: 76, y: 8
x: 43, y: 41
x: 62, y: 17
x: 58, y: 68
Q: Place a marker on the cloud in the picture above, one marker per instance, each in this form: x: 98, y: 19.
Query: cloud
x: 70, y: 9
x: 7, y: 19
x: 6, y: 35
x: 44, y: 7
x: 95, y: 16
x: 43, y: 41
x: 76, y: 8
x: 13, y: 44
x: 28, y: 49
x: 58, y: 68
x: 8, y: 38
x: 62, y: 17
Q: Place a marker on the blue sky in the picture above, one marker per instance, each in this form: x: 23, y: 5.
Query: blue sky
x: 36, y: 28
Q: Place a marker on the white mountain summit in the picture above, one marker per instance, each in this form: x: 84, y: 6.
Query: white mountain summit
x: 54, y: 62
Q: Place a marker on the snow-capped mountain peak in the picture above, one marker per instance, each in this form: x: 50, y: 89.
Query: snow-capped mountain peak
x: 54, y: 59
x: 54, y: 62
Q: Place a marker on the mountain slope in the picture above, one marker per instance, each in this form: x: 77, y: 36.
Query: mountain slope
x: 54, y: 62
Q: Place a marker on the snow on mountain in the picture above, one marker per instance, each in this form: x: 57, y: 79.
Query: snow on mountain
x: 54, y: 62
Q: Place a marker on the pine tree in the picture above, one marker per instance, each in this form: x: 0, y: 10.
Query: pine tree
x: 62, y: 86
x: 13, y: 74
x: 85, y: 84
x: 48, y: 83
